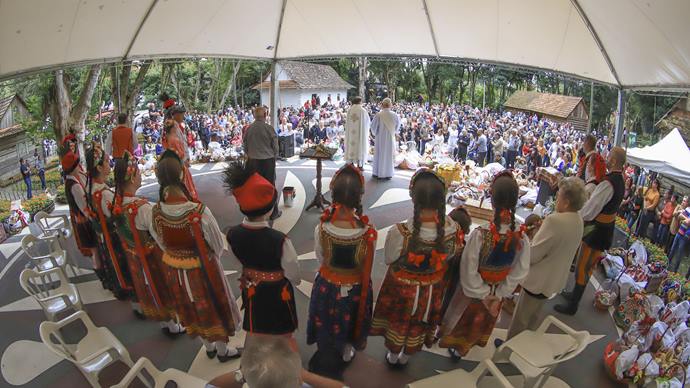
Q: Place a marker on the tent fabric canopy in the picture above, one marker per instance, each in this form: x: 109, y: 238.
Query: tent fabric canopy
x: 626, y: 43
x: 669, y: 157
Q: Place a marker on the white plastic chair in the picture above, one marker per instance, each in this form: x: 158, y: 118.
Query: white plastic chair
x: 63, y: 229
x: 56, y: 257
x: 52, y: 290
x: 93, y: 353
x: 536, y: 354
x: 462, y: 378
x: 160, y: 379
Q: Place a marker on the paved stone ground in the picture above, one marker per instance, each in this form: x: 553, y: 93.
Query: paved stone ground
x: 26, y: 362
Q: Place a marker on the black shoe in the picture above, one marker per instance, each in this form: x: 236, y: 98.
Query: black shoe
x: 166, y: 331
x: 567, y: 295
x: 139, y: 315
x: 211, y: 354
x: 498, y: 342
x: 454, y: 355
x: 276, y: 215
x: 570, y: 308
x: 228, y: 358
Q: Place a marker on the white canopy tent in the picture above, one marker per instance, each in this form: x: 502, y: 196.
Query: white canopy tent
x: 624, y: 43
x: 669, y: 157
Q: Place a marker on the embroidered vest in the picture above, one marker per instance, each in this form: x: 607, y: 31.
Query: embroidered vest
x: 343, y: 257
x: 124, y: 230
x: 424, y: 266
x: 495, y: 262
x: 180, y: 251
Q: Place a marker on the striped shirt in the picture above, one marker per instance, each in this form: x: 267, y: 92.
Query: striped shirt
x: 683, y: 229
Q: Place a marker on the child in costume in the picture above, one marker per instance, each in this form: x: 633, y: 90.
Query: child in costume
x: 100, y: 199
x: 192, y: 244
x: 266, y: 256
x: 494, y: 262
x: 408, y: 309
x: 79, y: 212
x: 132, y: 219
x: 176, y: 143
x: 464, y: 220
x: 344, y: 242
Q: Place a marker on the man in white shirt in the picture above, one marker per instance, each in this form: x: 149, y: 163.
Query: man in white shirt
x: 551, y: 252
x: 599, y: 215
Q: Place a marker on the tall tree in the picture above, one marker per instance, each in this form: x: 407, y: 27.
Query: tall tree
x: 125, y: 90
x: 232, y: 85
x: 66, y: 116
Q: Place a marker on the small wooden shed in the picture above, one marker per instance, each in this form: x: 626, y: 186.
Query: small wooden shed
x: 14, y: 143
x: 554, y: 107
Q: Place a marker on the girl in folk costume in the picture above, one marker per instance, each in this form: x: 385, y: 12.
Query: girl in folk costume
x: 80, y: 215
x: 177, y: 143
x: 192, y: 244
x: 100, y: 199
x: 266, y: 256
x: 344, y: 243
x: 461, y: 217
x: 132, y: 220
x: 408, y: 309
x: 493, y: 263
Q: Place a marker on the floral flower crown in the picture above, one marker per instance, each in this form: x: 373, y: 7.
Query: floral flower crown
x: 98, y: 154
x: 132, y: 165
x: 350, y: 167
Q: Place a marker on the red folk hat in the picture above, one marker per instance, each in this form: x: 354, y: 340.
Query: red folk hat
x: 255, y: 194
x: 69, y: 162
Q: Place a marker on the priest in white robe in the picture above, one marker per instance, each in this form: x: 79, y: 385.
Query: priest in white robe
x: 384, y: 127
x: 357, y: 133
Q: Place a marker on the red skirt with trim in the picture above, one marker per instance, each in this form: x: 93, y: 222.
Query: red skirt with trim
x: 399, y: 322
x: 201, y: 301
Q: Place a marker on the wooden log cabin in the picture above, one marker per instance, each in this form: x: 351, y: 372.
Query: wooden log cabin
x: 14, y: 143
x: 554, y: 107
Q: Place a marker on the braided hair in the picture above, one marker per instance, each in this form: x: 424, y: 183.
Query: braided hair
x: 347, y: 190
x: 504, y: 198
x: 95, y: 157
x: 120, y: 171
x: 428, y: 192
x: 169, y: 172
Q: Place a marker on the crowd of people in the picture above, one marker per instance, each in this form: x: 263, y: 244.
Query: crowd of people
x: 444, y: 284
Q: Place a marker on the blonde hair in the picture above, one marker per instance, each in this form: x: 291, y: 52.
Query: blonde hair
x: 269, y: 362
x: 386, y: 103
x: 573, y: 189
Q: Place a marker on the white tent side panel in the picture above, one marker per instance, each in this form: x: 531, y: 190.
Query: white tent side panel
x: 310, y: 28
x: 647, y: 40
x: 40, y: 33
x: 507, y: 31
x: 210, y: 27
x: 670, y: 157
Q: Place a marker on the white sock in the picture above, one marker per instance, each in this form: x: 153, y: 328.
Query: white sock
x: 392, y: 358
x: 403, y: 358
x: 175, y: 327
x: 137, y: 307
x: 225, y: 350
x: 210, y: 346
x: 348, y: 353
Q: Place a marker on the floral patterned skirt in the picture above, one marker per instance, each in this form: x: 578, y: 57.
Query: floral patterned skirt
x: 473, y: 328
x: 402, y: 322
x: 333, y: 317
x: 202, y: 302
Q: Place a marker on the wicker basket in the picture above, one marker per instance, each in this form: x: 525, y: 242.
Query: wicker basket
x: 480, y: 210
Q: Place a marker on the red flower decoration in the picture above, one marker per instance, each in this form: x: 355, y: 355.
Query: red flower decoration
x: 415, y: 260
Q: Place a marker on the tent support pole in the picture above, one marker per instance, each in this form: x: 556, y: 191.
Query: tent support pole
x: 274, y: 95
x: 591, y: 106
x: 620, y: 118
